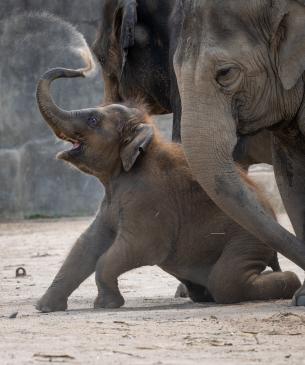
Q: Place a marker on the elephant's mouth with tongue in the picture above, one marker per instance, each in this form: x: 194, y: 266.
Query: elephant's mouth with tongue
x: 76, y: 144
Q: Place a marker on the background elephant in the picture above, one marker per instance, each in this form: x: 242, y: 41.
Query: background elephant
x: 135, y: 44
x: 240, y: 69
x: 133, y: 48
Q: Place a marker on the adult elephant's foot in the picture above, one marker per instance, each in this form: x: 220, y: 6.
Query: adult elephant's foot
x: 51, y: 303
x: 299, y: 297
x: 200, y: 294
x: 109, y: 301
x: 181, y: 291
x: 197, y: 293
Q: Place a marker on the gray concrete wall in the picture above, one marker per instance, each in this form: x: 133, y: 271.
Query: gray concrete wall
x: 84, y: 14
x: 32, y: 181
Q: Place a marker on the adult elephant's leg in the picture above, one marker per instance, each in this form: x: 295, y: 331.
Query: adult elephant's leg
x: 176, y: 133
x: 254, y: 149
x: 176, y: 108
x: 289, y: 168
x: 77, y: 267
x: 196, y: 292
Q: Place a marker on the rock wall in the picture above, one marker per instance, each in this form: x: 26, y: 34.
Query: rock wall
x: 32, y: 182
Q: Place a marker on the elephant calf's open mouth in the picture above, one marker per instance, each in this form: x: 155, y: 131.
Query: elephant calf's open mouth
x: 77, y: 145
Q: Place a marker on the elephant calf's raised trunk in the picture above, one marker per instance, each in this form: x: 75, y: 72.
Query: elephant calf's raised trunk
x: 54, y: 115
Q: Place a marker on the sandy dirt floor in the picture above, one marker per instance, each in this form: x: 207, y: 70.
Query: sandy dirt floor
x: 152, y: 328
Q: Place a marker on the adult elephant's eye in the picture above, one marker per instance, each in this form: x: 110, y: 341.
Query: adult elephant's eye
x: 92, y: 122
x: 227, y: 75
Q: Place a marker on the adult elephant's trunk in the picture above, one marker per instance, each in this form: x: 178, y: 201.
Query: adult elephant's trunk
x: 209, y: 138
x: 57, y: 118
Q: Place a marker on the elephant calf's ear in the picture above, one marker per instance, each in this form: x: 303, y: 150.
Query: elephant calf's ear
x: 138, y: 144
x: 291, y: 57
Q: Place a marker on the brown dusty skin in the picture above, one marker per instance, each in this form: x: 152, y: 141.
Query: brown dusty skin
x: 152, y: 328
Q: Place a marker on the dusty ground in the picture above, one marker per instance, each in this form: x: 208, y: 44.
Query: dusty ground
x: 152, y: 328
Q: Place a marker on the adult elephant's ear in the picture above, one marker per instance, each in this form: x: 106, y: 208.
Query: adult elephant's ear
x: 134, y: 144
x: 125, y: 20
x: 291, y: 36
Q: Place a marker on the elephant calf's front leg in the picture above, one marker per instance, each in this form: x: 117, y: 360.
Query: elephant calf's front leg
x: 120, y: 258
x: 78, y: 266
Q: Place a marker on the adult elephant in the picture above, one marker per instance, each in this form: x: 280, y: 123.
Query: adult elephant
x: 240, y: 68
x: 135, y: 45
x: 133, y: 48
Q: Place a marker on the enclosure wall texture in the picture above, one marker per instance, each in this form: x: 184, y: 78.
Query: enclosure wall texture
x: 32, y: 182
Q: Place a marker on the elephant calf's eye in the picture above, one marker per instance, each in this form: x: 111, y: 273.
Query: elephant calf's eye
x: 227, y: 75
x: 92, y: 122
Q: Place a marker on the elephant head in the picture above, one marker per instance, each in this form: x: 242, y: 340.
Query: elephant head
x: 104, y: 139
x: 239, y: 67
x: 132, y: 46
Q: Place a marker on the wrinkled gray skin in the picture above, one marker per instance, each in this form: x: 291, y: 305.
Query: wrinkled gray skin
x: 134, y: 45
x: 151, y: 207
x: 239, y: 66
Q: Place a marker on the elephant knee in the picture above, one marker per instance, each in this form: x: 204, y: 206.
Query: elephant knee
x: 102, y: 275
x: 226, y: 297
x: 226, y: 291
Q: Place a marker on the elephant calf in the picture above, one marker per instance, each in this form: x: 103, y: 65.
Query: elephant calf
x: 153, y: 213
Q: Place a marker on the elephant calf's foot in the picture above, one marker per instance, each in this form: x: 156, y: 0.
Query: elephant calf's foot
x: 51, y: 303
x: 109, y: 301
x: 299, y: 297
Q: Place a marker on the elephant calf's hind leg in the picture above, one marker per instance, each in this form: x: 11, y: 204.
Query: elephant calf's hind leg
x: 273, y: 285
x: 239, y: 278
